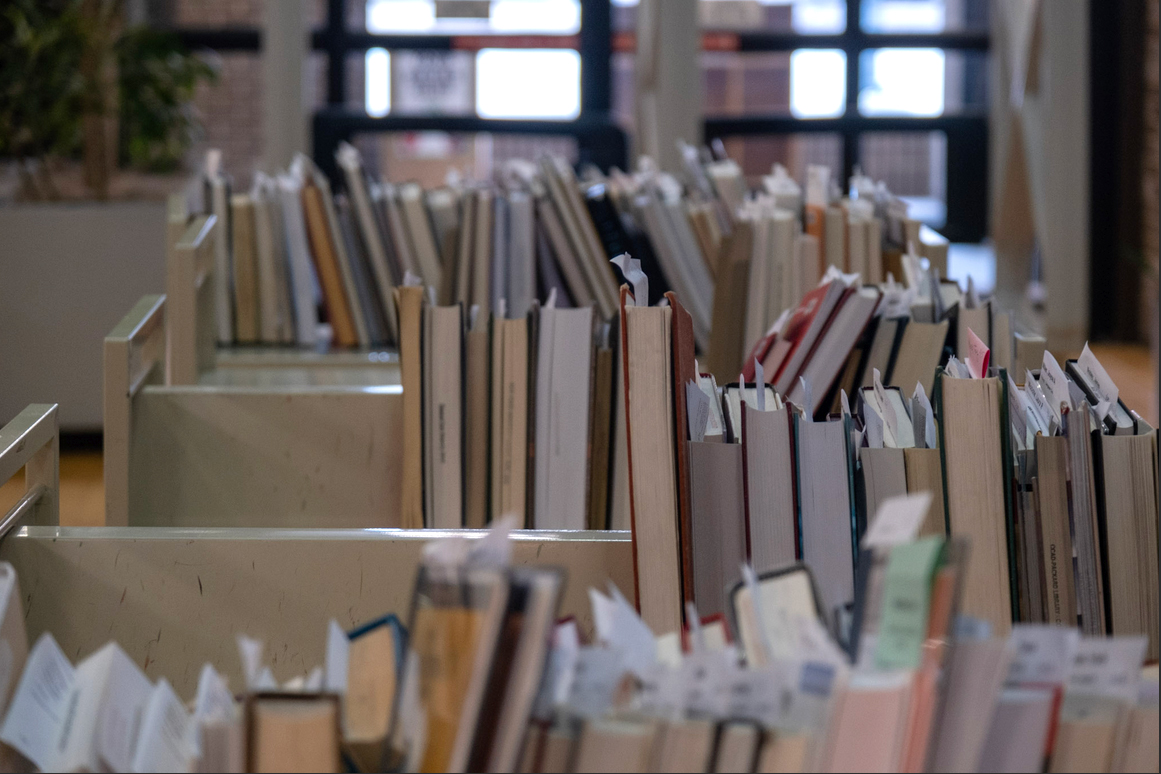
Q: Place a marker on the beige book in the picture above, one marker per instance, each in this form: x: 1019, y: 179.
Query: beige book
x: 683, y: 746
x: 974, y: 468
x: 443, y: 407
x: 1086, y: 542
x: 223, y: 747
x: 924, y: 474
x: 977, y: 320
x: 808, y: 262
x: 1056, y: 540
x: 782, y: 241
x: 343, y: 258
x: 509, y: 418
x: 566, y: 257
x: 556, y: 755
x: 835, y: 239
x: 245, y: 269
x: 884, y: 474
x: 1027, y: 355
x: 737, y: 749
x: 1085, y: 738
x: 369, y: 702
x: 784, y: 753
x: 397, y: 231
x: 646, y: 357
x: 601, y: 273
x: 461, y: 288
x: 326, y: 263
x: 768, y: 455
x: 293, y: 732
x: 919, y: 354
x: 276, y: 323
x: 727, y: 334
x: 620, y: 517
x: 934, y: 247
x: 1139, y: 749
x: 1018, y: 735
x: 857, y: 248
x: 607, y: 745
x: 419, y: 230
x: 477, y: 410
x: 874, y: 234
x: 717, y: 513
x: 757, y: 287
x: 409, y: 302
x: 1129, y: 510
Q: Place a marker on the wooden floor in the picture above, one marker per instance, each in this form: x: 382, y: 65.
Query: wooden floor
x: 82, y: 488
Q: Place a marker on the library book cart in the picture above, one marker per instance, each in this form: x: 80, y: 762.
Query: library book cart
x: 175, y: 597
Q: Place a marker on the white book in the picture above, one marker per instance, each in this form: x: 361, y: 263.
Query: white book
x: 303, y: 282
x: 443, y: 415
x: 13, y: 639
x: 276, y: 321
x: 164, y: 743
x: 564, y: 366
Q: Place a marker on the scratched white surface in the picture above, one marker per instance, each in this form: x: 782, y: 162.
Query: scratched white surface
x: 176, y: 598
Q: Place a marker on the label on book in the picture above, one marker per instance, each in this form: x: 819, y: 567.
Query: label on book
x: 1098, y: 381
x: 703, y: 675
x: 1041, y: 654
x: 1108, y: 667
x: 1055, y: 385
x: 897, y: 520
x: 906, y: 602
x: 978, y: 356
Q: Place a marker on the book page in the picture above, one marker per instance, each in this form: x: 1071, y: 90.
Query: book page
x: 39, y: 707
x: 164, y: 741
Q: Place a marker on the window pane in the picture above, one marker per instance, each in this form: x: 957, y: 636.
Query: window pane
x: 757, y: 154
x: 818, y: 83
x: 921, y: 82
x: 377, y: 82
x: 914, y: 167
x: 918, y: 16
x: 534, y: 83
x: 539, y: 17
x: 806, y: 17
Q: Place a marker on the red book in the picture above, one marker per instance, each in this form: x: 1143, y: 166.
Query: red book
x: 799, y: 334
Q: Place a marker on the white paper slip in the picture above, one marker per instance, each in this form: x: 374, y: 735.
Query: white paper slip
x: 164, y: 741
x: 921, y: 410
x: 697, y: 407
x: 1046, y: 421
x: 1099, y: 381
x: 897, y: 520
x: 1108, y: 667
x: 337, y: 655
x: 37, y: 713
x: 1055, y: 385
x: 1041, y: 654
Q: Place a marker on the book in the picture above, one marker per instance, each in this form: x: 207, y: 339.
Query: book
x: 718, y: 522
x: 409, y: 302
x: 882, y: 473
x: 867, y: 729
x: 683, y: 745
x: 351, y: 276
x: 374, y: 666
x: 601, y: 436
x: 366, y: 297
x: 826, y: 513
x: 477, y: 413
x: 614, y: 746
x: 1019, y: 730
x: 1052, y: 498
x: 456, y: 623
x: 276, y: 321
x: 884, y: 346
x: 737, y: 747
x: 521, y: 268
x: 973, y: 411
x: 564, y: 364
x: 684, y: 371
x: 924, y: 474
x: 566, y: 258
x: 919, y: 355
x: 326, y: 263
x: 293, y: 732
x: 303, y: 281
x: 1090, y: 593
x: 727, y: 345
x: 768, y: 469
x: 1127, y: 506
x: 976, y: 319
x: 443, y: 413
x: 218, y: 199
x: 846, y: 325
x: 799, y: 334
x: 244, y: 249
x: 419, y: 232
x: 510, y: 368
x: 646, y: 348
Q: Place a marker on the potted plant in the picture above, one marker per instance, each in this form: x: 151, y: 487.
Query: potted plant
x: 96, y: 120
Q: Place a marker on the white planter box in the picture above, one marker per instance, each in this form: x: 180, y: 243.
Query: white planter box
x: 68, y: 272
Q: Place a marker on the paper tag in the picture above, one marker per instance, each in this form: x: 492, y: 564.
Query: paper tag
x: 906, y: 600
x: 697, y: 409
x: 598, y: 673
x: 715, y: 423
x: 1041, y: 654
x: 957, y: 369
x: 1099, y: 381
x: 873, y: 424
x: 897, y: 520
x: 559, y: 671
x: 1017, y: 412
x: 971, y: 297
x: 704, y: 675
x: 411, y: 281
x: 661, y: 694
x: 337, y: 656
x: 978, y: 356
x: 845, y: 402
x: 919, y: 399
x: 1037, y: 402
x: 39, y: 706
x: 1055, y: 386
x: 887, y: 411
x: 1107, y: 666
x: 631, y: 270
x: 213, y: 700
x: 164, y: 735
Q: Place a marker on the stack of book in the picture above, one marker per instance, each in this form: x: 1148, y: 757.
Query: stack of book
x: 484, y: 678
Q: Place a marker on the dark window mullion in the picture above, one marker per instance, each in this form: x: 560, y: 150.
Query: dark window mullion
x: 336, y: 48
x: 854, y: 45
